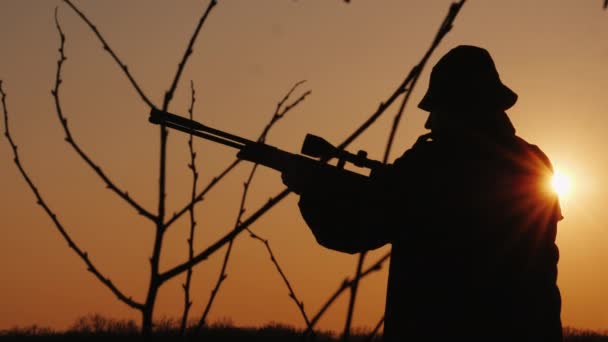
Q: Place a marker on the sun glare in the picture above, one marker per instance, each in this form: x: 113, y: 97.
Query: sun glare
x: 561, y: 184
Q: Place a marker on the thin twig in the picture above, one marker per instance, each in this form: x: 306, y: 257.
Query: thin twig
x: 201, y: 195
x: 223, y: 275
x: 169, y: 93
x: 106, y: 47
x: 380, y: 111
x: 292, y: 293
x: 278, y: 114
x: 346, y: 284
x: 262, y: 137
x: 192, y: 167
x: 40, y: 201
x: 354, y: 286
x: 374, y: 332
x: 70, y: 139
x: 445, y: 27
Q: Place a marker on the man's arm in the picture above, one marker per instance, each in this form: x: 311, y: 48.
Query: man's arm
x: 347, y: 214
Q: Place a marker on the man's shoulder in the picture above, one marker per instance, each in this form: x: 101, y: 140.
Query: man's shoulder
x: 533, y: 153
x: 426, y: 149
x: 539, y: 164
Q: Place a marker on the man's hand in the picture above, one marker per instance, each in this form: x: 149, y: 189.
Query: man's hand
x: 297, y: 174
x: 298, y: 178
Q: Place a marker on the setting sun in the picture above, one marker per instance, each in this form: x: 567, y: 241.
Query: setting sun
x: 561, y: 184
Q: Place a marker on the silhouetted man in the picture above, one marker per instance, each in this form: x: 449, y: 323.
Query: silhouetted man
x: 467, y: 210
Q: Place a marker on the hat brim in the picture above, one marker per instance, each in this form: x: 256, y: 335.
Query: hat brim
x: 502, y: 98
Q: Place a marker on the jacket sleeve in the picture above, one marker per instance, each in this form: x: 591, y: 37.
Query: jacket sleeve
x: 546, y: 214
x: 347, y: 215
x: 352, y: 215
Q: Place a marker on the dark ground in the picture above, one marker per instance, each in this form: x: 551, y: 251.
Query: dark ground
x: 97, y: 328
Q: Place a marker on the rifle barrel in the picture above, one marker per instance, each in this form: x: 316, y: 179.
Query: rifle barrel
x: 207, y: 136
x: 197, y: 128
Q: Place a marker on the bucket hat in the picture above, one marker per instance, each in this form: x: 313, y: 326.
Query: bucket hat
x: 466, y: 78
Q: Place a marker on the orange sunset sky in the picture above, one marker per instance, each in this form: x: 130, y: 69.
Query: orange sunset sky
x: 554, y: 54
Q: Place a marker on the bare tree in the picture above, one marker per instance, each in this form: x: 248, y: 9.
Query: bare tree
x: 157, y: 279
x: 159, y: 218
x: 147, y: 307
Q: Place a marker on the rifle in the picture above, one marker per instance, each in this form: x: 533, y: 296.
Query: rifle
x: 316, y: 151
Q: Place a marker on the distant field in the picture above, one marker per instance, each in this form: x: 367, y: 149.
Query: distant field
x: 98, y: 328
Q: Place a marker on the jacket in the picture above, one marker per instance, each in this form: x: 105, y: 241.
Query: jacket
x: 472, y: 224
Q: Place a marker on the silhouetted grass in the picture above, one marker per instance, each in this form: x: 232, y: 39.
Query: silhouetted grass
x: 98, y: 328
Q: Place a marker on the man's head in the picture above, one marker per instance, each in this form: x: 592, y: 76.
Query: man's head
x: 465, y: 88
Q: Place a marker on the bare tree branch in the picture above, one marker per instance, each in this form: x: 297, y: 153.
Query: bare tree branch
x: 106, y: 47
x: 354, y: 286
x: 223, y: 275
x: 182, y: 64
x: 346, y: 284
x: 445, y: 27
x: 155, y: 279
x: 40, y: 201
x: 374, y: 332
x: 201, y: 195
x: 380, y: 111
x: 292, y: 293
x: 278, y: 114
x: 167, y: 100
x: 70, y: 139
x: 192, y: 167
